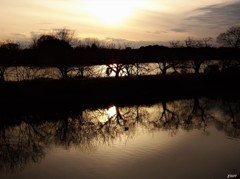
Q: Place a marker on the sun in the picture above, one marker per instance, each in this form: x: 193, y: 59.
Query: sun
x: 112, y: 12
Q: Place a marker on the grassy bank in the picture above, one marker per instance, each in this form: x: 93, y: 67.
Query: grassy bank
x: 82, y: 93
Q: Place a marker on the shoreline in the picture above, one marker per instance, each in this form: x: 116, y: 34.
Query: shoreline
x: 81, y: 93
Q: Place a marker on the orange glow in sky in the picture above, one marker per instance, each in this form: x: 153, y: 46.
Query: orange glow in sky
x: 133, y: 20
x: 112, y: 13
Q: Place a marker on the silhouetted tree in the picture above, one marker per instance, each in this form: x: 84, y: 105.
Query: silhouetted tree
x: 176, y: 44
x: 119, y: 117
x: 90, y: 42
x: 196, y: 64
x: 64, y: 34
x: 8, y: 55
x: 56, y: 51
x: 164, y: 66
x: 21, y: 144
x: 197, y: 59
x: 231, y: 111
x: 168, y: 115
x: 168, y: 118
x: 10, y: 46
x: 229, y: 120
x: 51, y: 43
x: 207, y: 42
x: 191, y: 42
x: 230, y: 38
x: 198, y: 113
x: 124, y: 69
x: 116, y: 69
x: 2, y: 70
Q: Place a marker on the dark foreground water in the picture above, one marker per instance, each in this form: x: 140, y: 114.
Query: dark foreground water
x: 195, y: 138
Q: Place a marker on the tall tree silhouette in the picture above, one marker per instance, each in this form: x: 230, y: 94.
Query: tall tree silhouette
x: 230, y: 38
x: 197, y: 58
x: 8, y: 55
x: 54, y: 50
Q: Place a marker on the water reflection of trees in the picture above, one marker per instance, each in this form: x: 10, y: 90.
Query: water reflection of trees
x: 28, y: 140
x: 23, y: 143
x: 230, y: 123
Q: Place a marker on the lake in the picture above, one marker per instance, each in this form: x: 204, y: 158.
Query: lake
x: 22, y: 73
x: 187, y: 138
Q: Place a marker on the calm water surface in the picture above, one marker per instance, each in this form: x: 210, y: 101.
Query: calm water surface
x: 198, y: 138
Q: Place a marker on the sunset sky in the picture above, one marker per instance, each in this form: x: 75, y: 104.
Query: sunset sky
x: 133, y: 20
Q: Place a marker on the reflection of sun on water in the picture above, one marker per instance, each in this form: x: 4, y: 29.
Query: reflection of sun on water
x: 111, y: 111
x: 108, y: 113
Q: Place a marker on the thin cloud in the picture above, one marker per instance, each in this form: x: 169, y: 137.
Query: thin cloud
x: 45, y: 23
x: 156, y: 32
x: 178, y: 30
x: 18, y: 35
x: 152, y: 18
x: 220, y: 14
x: 210, y: 20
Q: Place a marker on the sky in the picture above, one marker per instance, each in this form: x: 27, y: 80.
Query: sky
x: 120, y: 20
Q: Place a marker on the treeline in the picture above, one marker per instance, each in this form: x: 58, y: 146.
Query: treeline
x: 56, y: 50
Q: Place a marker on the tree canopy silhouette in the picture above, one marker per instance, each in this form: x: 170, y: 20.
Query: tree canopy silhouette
x: 230, y: 38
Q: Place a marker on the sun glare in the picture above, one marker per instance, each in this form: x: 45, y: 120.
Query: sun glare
x: 112, y: 12
x: 108, y: 114
x: 111, y: 111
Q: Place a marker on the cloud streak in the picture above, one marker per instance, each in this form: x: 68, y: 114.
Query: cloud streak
x: 19, y: 35
x: 221, y: 14
x: 211, y: 19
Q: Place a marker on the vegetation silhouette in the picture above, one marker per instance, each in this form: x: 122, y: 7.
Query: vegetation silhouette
x: 230, y: 38
x: 60, y: 50
x: 177, y: 67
